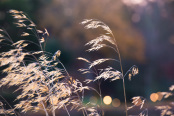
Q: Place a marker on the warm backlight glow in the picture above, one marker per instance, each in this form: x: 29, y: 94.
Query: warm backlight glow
x: 154, y: 97
x: 116, y: 102
x: 136, y: 2
x: 107, y: 100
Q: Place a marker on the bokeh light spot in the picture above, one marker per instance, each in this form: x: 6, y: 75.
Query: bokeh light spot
x: 116, y: 102
x: 107, y: 100
x: 154, y: 97
x: 160, y: 96
x: 93, y: 100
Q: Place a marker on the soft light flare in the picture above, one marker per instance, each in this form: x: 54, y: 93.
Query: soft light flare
x: 135, y: 2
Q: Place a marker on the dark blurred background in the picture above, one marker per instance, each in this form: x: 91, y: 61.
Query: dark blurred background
x: 144, y: 30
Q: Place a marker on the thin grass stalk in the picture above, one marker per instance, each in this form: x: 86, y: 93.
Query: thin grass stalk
x: 25, y: 66
x: 8, y: 105
x: 67, y: 111
x: 41, y: 101
x: 100, y: 93
x: 124, y: 89
x: 101, y: 98
x: 83, y: 110
x: 4, y: 111
x: 53, y: 113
